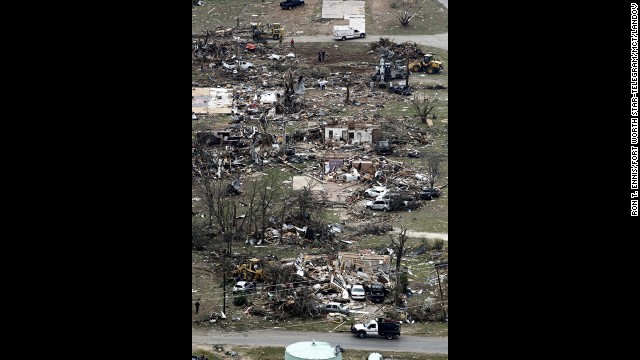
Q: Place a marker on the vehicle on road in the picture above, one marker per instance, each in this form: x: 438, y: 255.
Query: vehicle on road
x: 380, y: 326
x: 341, y: 32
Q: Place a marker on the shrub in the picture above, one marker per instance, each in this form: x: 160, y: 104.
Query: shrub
x: 240, y: 300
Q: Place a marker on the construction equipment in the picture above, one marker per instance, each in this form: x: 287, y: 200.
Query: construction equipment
x: 274, y: 31
x: 250, y: 270
x: 386, y: 72
x: 426, y: 64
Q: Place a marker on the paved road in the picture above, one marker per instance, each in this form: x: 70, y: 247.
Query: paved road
x: 417, y: 344
x: 440, y: 41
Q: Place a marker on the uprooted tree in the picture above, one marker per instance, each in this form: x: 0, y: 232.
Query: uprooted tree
x: 289, y: 293
x: 406, y: 10
x: 423, y: 105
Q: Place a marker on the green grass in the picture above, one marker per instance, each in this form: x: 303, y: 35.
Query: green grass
x: 277, y: 353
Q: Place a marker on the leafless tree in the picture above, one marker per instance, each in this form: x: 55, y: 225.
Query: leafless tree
x: 407, y: 9
x: 305, y: 199
x: 267, y: 195
x: 423, y: 105
x: 433, y: 168
x: 252, y: 201
x: 398, y: 243
x: 205, y: 185
x: 346, y: 81
x: 290, y: 85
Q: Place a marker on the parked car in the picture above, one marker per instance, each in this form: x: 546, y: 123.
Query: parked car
x: 376, y: 293
x: 243, y: 287
x: 288, y: 4
x: 376, y: 191
x: 357, y: 292
x: 378, y: 205
x: 335, y: 307
x: 428, y: 193
x: 402, y: 90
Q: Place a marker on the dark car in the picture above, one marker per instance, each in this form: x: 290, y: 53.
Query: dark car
x: 428, y: 193
x: 402, y: 90
x: 376, y: 293
x: 286, y: 5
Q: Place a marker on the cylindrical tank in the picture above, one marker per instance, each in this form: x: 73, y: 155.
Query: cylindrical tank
x: 312, y: 350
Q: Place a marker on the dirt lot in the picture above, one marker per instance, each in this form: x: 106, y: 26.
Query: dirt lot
x: 432, y: 19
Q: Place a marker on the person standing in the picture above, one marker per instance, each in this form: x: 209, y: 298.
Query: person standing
x: 197, y: 307
x: 292, y: 43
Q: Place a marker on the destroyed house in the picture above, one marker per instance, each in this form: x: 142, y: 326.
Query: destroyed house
x: 353, y: 134
x: 213, y: 138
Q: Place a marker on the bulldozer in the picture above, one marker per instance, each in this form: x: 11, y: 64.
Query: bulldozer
x: 426, y: 64
x: 274, y: 31
x: 250, y: 269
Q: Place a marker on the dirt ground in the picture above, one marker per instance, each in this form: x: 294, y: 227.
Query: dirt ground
x: 432, y: 19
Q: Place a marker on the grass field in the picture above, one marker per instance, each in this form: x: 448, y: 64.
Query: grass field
x: 277, y: 353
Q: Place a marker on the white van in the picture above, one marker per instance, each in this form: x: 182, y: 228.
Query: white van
x: 346, y: 32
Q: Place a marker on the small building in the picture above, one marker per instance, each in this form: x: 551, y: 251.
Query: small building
x: 353, y: 134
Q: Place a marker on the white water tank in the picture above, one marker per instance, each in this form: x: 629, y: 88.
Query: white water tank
x: 312, y: 350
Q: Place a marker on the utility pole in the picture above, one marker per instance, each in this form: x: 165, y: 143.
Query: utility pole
x: 224, y: 286
x: 439, y: 265
x: 407, y: 82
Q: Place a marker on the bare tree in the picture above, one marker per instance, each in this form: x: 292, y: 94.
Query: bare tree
x: 205, y: 185
x: 423, y: 105
x: 346, y: 81
x: 433, y: 168
x: 305, y: 199
x: 290, y: 86
x: 407, y: 10
x: 252, y: 207
x: 398, y: 245
x: 267, y: 195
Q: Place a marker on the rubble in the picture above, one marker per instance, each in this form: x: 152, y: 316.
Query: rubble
x: 274, y: 123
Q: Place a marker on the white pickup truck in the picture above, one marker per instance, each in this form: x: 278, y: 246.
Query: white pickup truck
x: 243, y: 65
x: 379, y: 326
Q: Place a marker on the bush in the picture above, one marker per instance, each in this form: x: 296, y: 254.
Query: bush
x: 317, y: 72
x: 240, y: 300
